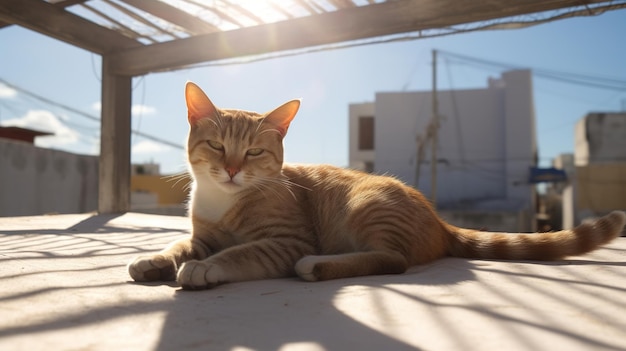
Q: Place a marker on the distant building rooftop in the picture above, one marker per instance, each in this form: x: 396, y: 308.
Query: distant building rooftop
x: 22, y: 134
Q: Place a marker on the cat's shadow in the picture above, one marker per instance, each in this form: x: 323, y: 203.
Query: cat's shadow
x: 272, y: 314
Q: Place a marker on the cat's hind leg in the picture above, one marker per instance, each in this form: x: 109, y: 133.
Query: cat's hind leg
x: 326, y: 267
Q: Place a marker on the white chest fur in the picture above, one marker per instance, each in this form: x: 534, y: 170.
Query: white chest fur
x: 209, y: 202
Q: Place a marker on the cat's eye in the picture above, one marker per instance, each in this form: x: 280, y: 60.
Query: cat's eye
x: 215, y: 145
x: 255, y: 152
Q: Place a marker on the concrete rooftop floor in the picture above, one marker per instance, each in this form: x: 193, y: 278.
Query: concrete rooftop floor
x: 64, y: 286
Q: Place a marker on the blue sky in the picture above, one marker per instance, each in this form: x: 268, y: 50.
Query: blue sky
x: 327, y: 81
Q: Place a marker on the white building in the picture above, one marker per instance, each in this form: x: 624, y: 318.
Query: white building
x: 486, y: 146
x: 598, y: 185
x: 600, y: 138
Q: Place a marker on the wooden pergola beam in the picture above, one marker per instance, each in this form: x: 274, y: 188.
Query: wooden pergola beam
x: 339, y: 26
x: 173, y: 15
x: 57, y: 23
x: 60, y: 4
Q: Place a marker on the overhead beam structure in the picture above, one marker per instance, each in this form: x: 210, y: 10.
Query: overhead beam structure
x: 55, y: 22
x: 173, y: 15
x: 339, y: 26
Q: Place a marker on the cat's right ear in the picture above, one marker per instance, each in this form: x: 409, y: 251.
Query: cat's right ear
x: 198, y: 104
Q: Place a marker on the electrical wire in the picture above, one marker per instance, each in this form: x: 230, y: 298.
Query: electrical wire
x: 561, y: 76
x: 86, y: 115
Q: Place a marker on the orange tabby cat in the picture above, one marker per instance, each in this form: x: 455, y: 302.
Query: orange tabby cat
x: 254, y: 217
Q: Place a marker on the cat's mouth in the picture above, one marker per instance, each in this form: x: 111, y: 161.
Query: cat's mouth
x: 231, y: 185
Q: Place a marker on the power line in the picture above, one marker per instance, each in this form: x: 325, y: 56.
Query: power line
x: 48, y: 101
x: 562, y: 76
x: 86, y: 115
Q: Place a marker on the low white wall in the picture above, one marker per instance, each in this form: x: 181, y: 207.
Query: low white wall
x: 36, y: 181
x: 512, y: 222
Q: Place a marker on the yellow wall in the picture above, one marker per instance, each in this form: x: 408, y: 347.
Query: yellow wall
x: 169, y: 189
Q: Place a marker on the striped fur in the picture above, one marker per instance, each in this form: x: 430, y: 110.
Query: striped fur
x: 255, y: 218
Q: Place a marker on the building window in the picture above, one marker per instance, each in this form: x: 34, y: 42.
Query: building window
x: 366, y: 133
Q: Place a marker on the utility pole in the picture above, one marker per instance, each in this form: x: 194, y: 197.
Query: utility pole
x: 434, y: 131
x: 431, y: 135
x: 421, y: 142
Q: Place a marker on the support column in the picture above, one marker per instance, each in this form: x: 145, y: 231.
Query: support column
x: 115, y: 127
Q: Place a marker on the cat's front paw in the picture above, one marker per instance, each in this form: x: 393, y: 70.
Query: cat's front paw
x: 308, y: 269
x: 152, y: 268
x: 199, y: 275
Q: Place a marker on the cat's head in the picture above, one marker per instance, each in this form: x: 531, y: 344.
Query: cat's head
x: 235, y: 149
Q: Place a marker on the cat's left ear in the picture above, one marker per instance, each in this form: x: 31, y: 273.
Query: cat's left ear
x: 198, y: 104
x: 282, y: 116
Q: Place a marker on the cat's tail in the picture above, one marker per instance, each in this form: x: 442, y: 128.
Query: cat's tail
x: 536, y: 246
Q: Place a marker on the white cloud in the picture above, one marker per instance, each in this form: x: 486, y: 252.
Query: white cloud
x: 148, y: 147
x: 45, y: 121
x: 142, y: 110
x: 7, y: 92
x: 136, y: 110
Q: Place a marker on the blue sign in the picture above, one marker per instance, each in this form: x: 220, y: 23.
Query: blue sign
x: 546, y: 175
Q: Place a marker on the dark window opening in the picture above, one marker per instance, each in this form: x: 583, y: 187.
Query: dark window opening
x: 366, y: 133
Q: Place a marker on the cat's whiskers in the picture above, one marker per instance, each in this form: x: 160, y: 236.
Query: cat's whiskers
x: 260, y: 186
x: 260, y: 189
x: 179, y: 177
x: 265, y: 183
x: 289, y: 183
x: 268, y: 182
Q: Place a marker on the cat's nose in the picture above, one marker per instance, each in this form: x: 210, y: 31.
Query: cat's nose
x: 232, y: 171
